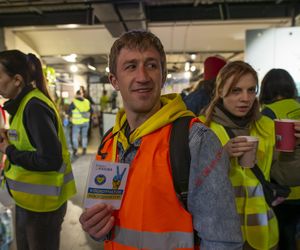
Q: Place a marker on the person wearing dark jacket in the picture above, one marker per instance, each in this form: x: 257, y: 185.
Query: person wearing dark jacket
x: 201, y: 96
x: 38, y: 171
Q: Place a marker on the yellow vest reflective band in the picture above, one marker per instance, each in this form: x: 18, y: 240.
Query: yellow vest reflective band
x: 81, y: 113
x: 287, y: 109
x: 258, y: 221
x: 34, y: 190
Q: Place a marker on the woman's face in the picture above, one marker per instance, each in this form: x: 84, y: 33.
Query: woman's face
x: 239, y: 100
x: 9, y: 86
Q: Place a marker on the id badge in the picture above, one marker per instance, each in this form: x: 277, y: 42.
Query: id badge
x: 12, y: 135
x: 106, y: 183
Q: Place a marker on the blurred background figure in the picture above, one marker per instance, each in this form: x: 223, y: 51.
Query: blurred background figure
x: 104, y: 101
x: 113, y: 100
x: 86, y: 95
x: 201, y: 96
x: 80, y: 112
x: 277, y: 96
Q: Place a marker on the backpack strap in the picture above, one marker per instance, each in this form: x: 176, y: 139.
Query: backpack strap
x: 180, y: 157
x: 103, y: 140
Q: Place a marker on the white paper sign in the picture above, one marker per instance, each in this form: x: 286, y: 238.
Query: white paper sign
x: 106, y: 183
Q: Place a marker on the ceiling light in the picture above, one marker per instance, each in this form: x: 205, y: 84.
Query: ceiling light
x: 70, y: 58
x: 193, y: 56
x: 187, y: 66
x: 67, y: 26
x: 107, y: 69
x: 73, y: 68
x: 91, y: 67
x: 169, y: 76
x: 193, y: 68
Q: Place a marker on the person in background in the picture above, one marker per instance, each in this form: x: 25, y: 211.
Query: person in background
x: 104, y: 107
x: 201, y: 96
x: 140, y: 137
x: 80, y: 111
x: 104, y: 101
x: 234, y: 109
x: 86, y: 95
x: 277, y: 96
x: 113, y: 100
x: 38, y: 171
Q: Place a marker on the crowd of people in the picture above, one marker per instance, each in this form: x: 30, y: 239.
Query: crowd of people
x: 227, y: 204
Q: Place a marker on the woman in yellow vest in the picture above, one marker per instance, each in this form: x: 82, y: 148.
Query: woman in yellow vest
x: 235, y: 108
x: 37, y: 172
x: 278, y: 95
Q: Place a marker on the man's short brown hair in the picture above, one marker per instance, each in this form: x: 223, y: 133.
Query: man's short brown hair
x: 137, y: 39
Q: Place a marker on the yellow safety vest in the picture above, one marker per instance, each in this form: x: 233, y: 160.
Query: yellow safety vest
x: 287, y: 109
x: 81, y: 113
x: 258, y: 221
x: 34, y: 190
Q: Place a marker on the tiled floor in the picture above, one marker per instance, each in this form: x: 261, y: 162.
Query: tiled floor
x: 72, y: 236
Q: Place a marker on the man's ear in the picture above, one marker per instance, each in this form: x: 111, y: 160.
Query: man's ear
x: 113, y: 80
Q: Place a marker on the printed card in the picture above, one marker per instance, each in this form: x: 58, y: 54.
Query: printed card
x: 106, y: 183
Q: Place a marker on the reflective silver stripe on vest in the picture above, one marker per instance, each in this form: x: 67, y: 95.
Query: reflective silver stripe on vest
x: 62, y: 168
x: 240, y: 191
x: 68, y: 177
x: 257, y: 219
x: 37, y: 189
x: 149, y: 240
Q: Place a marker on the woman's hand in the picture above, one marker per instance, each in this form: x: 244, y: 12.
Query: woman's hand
x: 297, y: 134
x: 238, y: 146
x: 4, y: 143
x: 97, y: 220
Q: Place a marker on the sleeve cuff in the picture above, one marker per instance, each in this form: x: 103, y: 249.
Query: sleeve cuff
x: 9, y: 149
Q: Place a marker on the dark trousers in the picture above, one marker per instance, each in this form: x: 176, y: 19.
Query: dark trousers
x: 288, y: 216
x: 39, y: 230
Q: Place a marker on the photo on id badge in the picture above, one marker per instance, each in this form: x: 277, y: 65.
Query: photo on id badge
x: 106, y: 183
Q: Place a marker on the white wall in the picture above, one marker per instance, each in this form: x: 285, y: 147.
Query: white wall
x: 274, y: 48
x: 15, y: 42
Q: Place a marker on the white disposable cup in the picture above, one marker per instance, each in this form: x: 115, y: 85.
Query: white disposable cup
x: 248, y: 159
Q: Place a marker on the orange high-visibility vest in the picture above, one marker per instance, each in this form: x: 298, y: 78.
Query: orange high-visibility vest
x: 151, y: 216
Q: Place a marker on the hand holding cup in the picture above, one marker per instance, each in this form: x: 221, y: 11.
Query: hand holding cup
x: 237, y: 146
x: 243, y: 147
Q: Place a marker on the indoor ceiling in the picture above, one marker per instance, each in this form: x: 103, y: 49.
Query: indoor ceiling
x: 203, y: 27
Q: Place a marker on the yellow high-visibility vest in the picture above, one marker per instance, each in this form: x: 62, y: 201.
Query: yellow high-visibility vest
x: 287, y: 109
x: 81, y: 113
x: 258, y: 221
x: 36, y: 190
